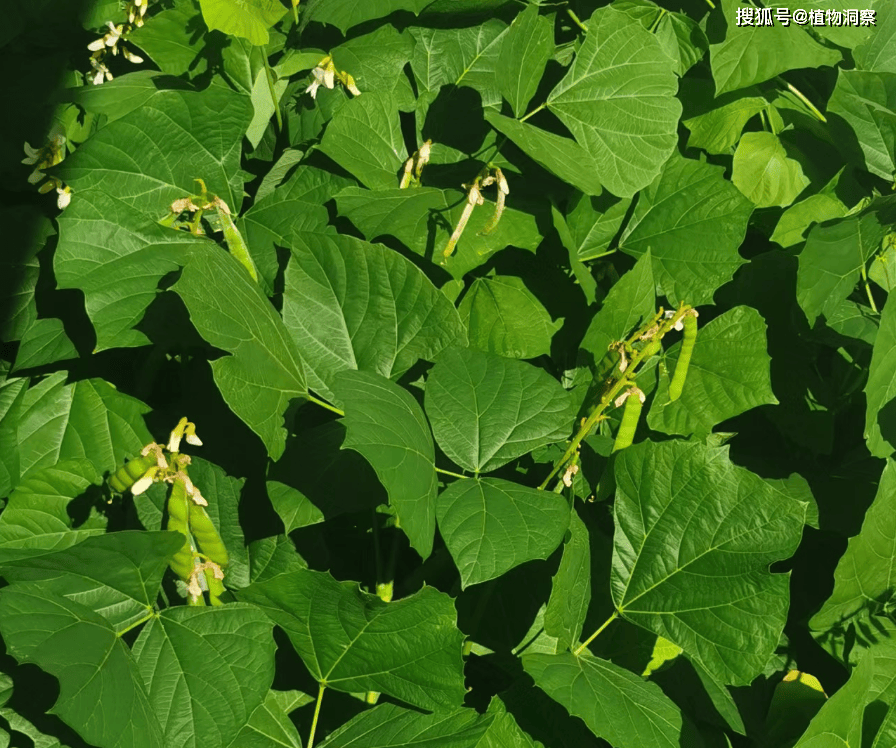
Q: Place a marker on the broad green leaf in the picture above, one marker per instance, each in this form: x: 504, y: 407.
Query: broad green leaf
x: 126, y: 176
x: 116, y: 575
x: 249, y: 19
x: 693, y: 221
x: 390, y: 726
x: 377, y: 61
x: 205, y: 670
x: 487, y: 410
x: 878, y: 53
x: 865, y: 102
x: 101, y: 693
x: 631, y: 302
x: 365, y: 139
x: 883, y: 268
x: 45, y: 342
x: 462, y: 57
x: 663, y: 653
x: 279, y: 218
x: 865, y: 574
x: 835, y: 252
x: 352, y: 641
x: 270, y: 725
x: 753, y: 54
x: 124, y: 94
x: 616, y: 704
x: 36, y: 516
x: 169, y: 41
x: 855, y: 321
x: 343, y: 14
x: 591, y: 224
x: 492, y: 525
x: 270, y: 557
x: 694, y: 538
x: 526, y: 49
x: 763, y: 172
x: 561, y: 156
x: 719, y: 129
x: 387, y: 427
x: 353, y: 305
x: 87, y: 419
x: 423, y: 220
x: 797, y: 219
x: 728, y: 375
x: 24, y: 228
x: 845, y: 34
x: 571, y: 587
x: 618, y: 100
x: 880, y: 389
x: 503, y: 317
x: 12, y: 395
x: 263, y: 372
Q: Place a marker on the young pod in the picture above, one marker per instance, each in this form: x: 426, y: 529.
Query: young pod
x: 206, y: 535
x: 676, y: 386
x: 235, y: 242
x: 215, y: 586
x: 634, y: 401
x: 181, y: 562
x: 130, y: 472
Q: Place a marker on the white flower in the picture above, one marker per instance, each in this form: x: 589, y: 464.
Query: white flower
x: 97, y: 44
x: 350, y: 85
x: 114, y: 33
x: 321, y: 78
x: 64, y: 198
x: 130, y: 56
x: 101, y: 71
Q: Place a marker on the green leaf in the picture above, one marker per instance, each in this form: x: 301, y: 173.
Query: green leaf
x: 526, y: 49
x: 373, y: 309
x: 462, y: 57
x: 126, y: 177
x: 878, y: 53
x: 503, y: 317
x: 753, y: 54
x: 116, y: 575
x: 492, y: 525
x: 28, y: 230
x: 249, y: 19
x: 377, y: 61
x: 843, y: 35
x: 37, y: 513
x: 618, y: 100
x: 45, y: 342
x: 693, y: 222
x: 364, y: 138
x: 423, y: 220
x: 561, y: 156
x: 168, y: 41
x: 87, y: 419
x: 864, y: 101
x: 694, y: 538
x: 591, y: 224
x: 719, y: 129
x: 387, y: 427
x: 865, y: 573
x: 351, y: 641
x: 263, y: 372
x: 616, y: 704
x: 270, y: 557
x: 728, y: 375
x: 390, y: 726
x: 12, y: 395
x: 487, y: 410
x: 798, y: 218
x: 571, y: 587
x: 343, y: 14
x: 101, y: 693
x: 834, y: 255
x: 205, y: 670
x: 763, y: 172
x: 880, y: 389
x: 270, y: 725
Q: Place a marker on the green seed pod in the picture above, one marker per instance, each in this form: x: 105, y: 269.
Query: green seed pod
x: 684, y: 357
x: 181, y: 562
x: 634, y: 401
x: 215, y: 587
x: 206, y: 535
x: 651, y: 349
x: 130, y: 472
x: 236, y: 244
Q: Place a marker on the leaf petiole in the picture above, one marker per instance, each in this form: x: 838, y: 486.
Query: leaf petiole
x: 594, y: 636
x: 320, y: 697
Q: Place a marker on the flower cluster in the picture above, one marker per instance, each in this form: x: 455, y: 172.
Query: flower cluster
x: 43, y: 158
x: 489, y: 175
x: 111, y: 42
x: 326, y: 75
x: 166, y: 472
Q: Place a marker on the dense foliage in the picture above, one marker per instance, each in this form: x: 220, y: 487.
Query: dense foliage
x: 447, y: 373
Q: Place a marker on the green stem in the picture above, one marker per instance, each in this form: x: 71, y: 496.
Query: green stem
x: 320, y: 697
x: 270, y: 77
x: 799, y: 94
x: 451, y: 473
x: 603, y: 254
x: 151, y: 614
x: 594, y: 636
x: 533, y: 112
x: 325, y: 404
x: 868, y: 289
x: 576, y: 21
x: 657, y: 20
x: 711, y: 4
